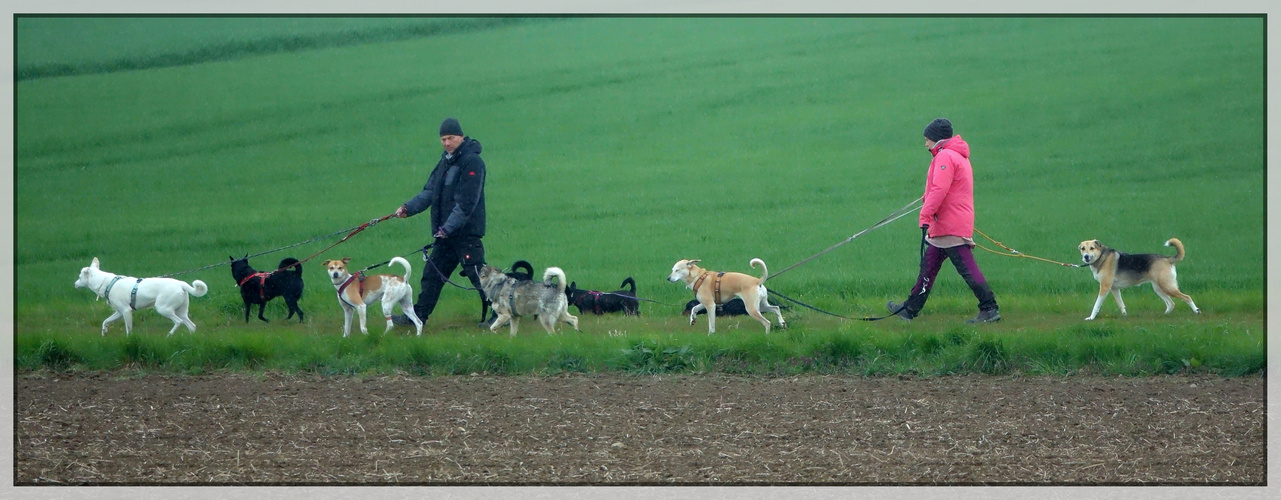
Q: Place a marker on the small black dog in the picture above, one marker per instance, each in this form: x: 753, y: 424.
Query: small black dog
x: 732, y: 308
x: 605, y: 302
x: 258, y: 288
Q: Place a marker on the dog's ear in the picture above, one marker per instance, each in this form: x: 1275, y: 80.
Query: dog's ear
x: 345, y: 260
x: 692, y: 262
x: 94, y: 264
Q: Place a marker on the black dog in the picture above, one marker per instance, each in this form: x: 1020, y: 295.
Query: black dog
x: 602, y: 302
x: 732, y: 308
x: 258, y: 288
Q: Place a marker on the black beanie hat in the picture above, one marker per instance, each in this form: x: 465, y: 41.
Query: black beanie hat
x: 451, y: 127
x: 938, y: 129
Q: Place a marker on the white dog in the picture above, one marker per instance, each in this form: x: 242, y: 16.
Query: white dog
x: 125, y: 294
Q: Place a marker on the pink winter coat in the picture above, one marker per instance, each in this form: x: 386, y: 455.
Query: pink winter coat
x: 949, y: 191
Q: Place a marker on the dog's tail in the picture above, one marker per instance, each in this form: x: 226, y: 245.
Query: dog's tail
x: 628, y: 281
x: 403, y: 262
x: 526, y: 266
x: 560, y: 276
x: 764, y: 270
x: 289, y: 262
x: 196, y: 288
x: 1178, y: 247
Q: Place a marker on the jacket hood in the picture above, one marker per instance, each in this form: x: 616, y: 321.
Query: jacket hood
x: 954, y: 143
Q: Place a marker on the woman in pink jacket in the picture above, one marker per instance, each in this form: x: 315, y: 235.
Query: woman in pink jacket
x: 947, y: 224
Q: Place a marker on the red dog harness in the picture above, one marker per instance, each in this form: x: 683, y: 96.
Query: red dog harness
x: 359, y: 278
x: 262, y: 283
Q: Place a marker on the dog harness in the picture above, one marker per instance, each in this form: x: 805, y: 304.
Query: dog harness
x: 262, y: 283
x: 133, y: 296
x: 359, y: 278
x: 716, y: 285
x: 595, y: 295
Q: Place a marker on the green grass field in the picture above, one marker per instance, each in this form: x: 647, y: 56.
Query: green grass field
x: 617, y: 146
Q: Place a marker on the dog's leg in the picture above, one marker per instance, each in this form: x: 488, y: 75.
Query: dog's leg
x: 128, y: 317
x: 693, y: 312
x: 388, y: 303
x: 1171, y: 289
x: 165, y: 309
x: 569, y: 318
x: 346, y: 324
x: 114, y: 316
x: 711, y: 318
x: 501, y: 320
x: 753, y: 306
x: 183, y: 313
x: 361, y: 310
x: 1105, y: 286
x: 515, y: 323
x: 1116, y: 294
x: 1169, y: 304
x: 549, y: 323
x: 262, y: 306
x: 778, y: 311
x: 407, y: 307
x: 292, y: 302
x: 247, y: 306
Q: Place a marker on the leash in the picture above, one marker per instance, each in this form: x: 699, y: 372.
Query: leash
x: 888, y: 219
x: 351, y: 230
x: 1016, y: 253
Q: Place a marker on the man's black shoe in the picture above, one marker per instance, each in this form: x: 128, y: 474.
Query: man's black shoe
x: 897, y: 308
x: 402, y: 320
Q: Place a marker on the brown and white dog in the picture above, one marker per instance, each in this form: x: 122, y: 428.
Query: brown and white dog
x: 357, y: 290
x: 712, y: 288
x: 1115, y: 270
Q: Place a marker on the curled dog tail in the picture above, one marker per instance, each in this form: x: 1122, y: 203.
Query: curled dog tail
x: 628, y: 281
x: 289, y: 262
x: 560, y: 276
x: 403, y: 262
x: 764, y: 270
x: 1178, y: 247
x: 196, y: 288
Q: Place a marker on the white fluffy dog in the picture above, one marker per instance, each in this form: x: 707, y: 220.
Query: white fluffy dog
x: 125, y: 294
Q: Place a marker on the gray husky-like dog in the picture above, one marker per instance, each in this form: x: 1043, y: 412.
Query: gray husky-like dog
x: 512, y: 298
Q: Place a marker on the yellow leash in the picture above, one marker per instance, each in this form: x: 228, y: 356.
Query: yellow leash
x: 1016, y: 253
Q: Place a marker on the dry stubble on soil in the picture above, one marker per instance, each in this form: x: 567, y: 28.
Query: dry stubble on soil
x: 101, y: 428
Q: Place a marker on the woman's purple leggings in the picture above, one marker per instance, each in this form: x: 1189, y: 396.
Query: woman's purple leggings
x: 963, y: 258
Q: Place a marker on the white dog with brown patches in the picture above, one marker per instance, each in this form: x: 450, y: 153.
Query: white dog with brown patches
x: 169, y: 296
x: 357, y: 290
x: 712, y: 288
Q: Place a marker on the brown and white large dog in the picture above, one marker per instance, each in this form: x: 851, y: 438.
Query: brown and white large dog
x: 1116, y: 270
x: 355, y: 291
x: 712, y: 288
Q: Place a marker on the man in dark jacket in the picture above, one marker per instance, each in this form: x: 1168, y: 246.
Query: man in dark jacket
x: 455, y: 194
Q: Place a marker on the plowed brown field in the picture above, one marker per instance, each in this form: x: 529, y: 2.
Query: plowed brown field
x: 104, y: 428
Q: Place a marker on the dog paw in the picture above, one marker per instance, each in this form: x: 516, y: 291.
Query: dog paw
x: 1091, y: 318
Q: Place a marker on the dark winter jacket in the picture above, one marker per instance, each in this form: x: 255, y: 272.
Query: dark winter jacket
x: 455, y: 193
